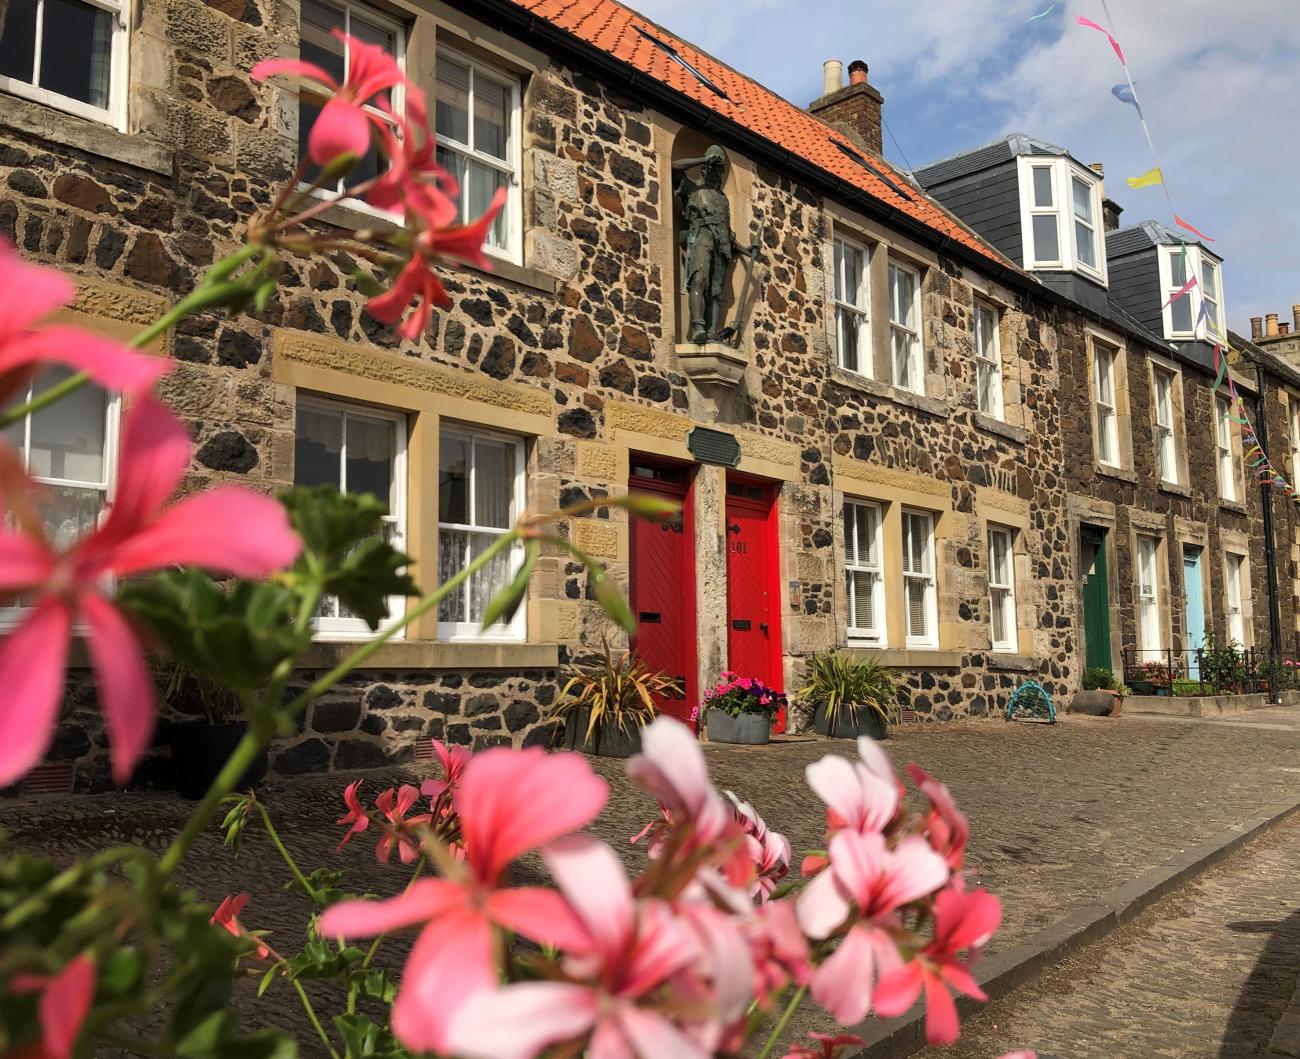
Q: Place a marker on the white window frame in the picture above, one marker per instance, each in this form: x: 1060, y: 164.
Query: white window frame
x: 916, y: 348
x: 1295, y: 440
x: 356, y: 628
x: 469, y: 631
x: 397, y: 96
x: 854, y: 562
x: 1163, y: 419
x: 1234, y: 601
x: 988, y: 357
x: 860, y: 308
x: 1002, y: 585
x: 1090, y: 223
x: 1225, y: 457
x: 1064, y: 172
x: 1197, y: 259
x: 925, y: 577
x: 14, y: 613
x: 119, y: 56
x: 513, y: 167
x: 1151, y: 640
x: 1105, y: 403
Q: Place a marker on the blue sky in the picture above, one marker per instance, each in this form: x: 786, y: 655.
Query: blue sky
x: 1219, y: 82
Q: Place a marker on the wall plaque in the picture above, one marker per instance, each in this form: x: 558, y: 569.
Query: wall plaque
x: 713, y: 446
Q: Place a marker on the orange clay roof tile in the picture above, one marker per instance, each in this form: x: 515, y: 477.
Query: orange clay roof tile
x: 614, y: 29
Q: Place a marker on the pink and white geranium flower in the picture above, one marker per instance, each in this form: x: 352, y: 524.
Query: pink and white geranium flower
x: 862, y: 795
x: 67, y: 587
x: 509, y: 802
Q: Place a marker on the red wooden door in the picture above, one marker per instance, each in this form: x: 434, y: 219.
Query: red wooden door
x: 662, y: 585
x: 753, y: 617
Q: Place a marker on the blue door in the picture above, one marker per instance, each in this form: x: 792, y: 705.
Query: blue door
x: 1194, y: 593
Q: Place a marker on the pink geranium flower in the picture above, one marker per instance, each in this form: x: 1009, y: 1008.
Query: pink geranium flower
x: 453, y: 760
x: 227, y: 917
x: 28, y: 294
x: 859, y: 795
x: 64, y: 1003
x: 399, y: 828
x: 867, y: 883
x: 417, y: 284
x: 825, y: 1046
x: 414, y: 183
x: 768, y: 850
x: 963, y: 921
x: 227, y: 529
x: 946, y: 826
x: 622, y: 963
x: 344, y: 124
x: 356, y: 817
x: 509, y: 802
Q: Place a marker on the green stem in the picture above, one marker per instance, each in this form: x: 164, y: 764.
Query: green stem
x: 361, y: 654
x: 311, y: 1016
x: 786, y: 1016
x: 258, y: 736
x: 285, y: 855
x: 374, y: 945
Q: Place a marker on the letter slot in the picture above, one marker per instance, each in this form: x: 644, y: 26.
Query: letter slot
x: 650, y: 617
x: 742, y: 625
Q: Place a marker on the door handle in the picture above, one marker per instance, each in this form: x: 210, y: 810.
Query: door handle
x: 763, y: 625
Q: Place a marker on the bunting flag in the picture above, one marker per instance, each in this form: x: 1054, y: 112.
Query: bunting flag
x: 1124, y: 93
x: 1044, y: 13
x: 1103, y: 30
x: 1181, y: 292
x: 1188, y: 228
x: 1148, y: 179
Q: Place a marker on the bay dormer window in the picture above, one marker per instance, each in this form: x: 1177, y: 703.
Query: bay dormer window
x: 1198, y: 314
x: 1060, y: 207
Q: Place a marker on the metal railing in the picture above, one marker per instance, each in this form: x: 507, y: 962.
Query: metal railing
x: 1216, y: 671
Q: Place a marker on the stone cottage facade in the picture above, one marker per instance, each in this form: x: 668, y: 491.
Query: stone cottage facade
x: 885, y: 461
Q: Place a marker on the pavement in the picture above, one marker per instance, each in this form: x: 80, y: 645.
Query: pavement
x: 1060, y: 814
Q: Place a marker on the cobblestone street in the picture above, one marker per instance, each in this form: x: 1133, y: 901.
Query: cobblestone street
x: 1059, y: 815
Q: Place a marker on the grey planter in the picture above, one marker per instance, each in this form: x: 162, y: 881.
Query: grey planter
x: 752, y: 729
x: 608, y: 740
x: 1100, y: 703
x: 851, y: 723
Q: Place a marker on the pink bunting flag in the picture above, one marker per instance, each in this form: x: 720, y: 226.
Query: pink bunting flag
x: 1187, y: 227
x: 1102, y: 29
x: 1186, y: 289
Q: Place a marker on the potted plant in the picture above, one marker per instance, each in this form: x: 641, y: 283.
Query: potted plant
x: 201, y: 746
x: 851, y: 696
x: 606, y: 701
x: 740, y: 710
x: 1102, y: 694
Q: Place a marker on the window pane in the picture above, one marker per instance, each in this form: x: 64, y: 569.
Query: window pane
x: 70, y: 512
x: 452, y: 115
x: 1177, y: 269
x: 68, y: 437
x: 1182, y: 313
x: 986, y: 329
x: 453, y: 556
x: 458, y: 166
x: 1082, y: 200
x: 372, y: 448
x: 902, y: 297
x: 491, y: 117
x: 373, y: 33
x: 917, y: 609
x: 848, y: 339
x: 494, y: 484
x: 453, y: 480
x: 1047, y: 243
x: 862, y: 611
x: 1043, y: 187
x: 318, y: 447
x: 318, y: 45
x: 902, y: 343
x: 484, y: 182
x: 489, y: 581
x: 18, y: 42
x: 1086, y: 240
x: 987, y: 382
x: 76, y: 47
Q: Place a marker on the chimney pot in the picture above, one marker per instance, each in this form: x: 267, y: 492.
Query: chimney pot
x: 833, y: 72
x: 1284, y: 329
x: 858, y: 72
x: 1295, y: 315
x: 1098, y: 168
x: 1257, y: 328
x: 1270, y: 325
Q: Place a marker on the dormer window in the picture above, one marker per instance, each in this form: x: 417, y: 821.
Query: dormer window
x: 1060, y: 205
x: 1198, y: 314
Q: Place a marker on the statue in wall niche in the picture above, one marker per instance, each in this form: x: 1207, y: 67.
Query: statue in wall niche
x: 711, y: 246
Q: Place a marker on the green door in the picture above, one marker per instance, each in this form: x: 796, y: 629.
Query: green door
x: 1096, y: 599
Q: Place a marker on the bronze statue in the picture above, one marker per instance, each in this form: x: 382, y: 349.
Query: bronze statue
x: 711, y: 246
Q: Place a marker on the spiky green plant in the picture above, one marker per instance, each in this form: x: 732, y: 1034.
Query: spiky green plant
x: 843, y: 681
x: 618, y: 691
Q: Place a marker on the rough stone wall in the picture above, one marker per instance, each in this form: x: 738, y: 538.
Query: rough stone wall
x: 590, y: 323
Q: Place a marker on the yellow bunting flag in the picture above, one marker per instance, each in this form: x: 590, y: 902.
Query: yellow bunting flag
x: 1148, y: 179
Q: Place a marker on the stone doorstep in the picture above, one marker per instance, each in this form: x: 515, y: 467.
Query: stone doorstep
x: 1002, y: 972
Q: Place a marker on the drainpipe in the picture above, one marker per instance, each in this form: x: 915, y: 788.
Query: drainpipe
x: 1266, y: 495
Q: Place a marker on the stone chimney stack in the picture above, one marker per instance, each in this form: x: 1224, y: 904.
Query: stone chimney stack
x: 1283, y: 329
x: 1295, y: 315
x: 1270, y: 326
x: 1257, y: 328
x: 855, y: 108
x: 1110, y: 209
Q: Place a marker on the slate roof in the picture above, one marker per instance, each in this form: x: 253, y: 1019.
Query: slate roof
x: 631, y: 38
x: 1016, y: 145
x: 1146, y: 234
